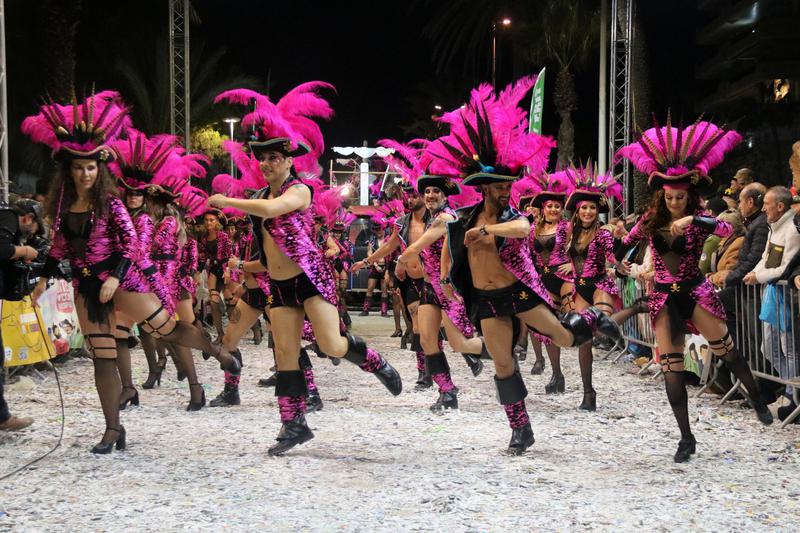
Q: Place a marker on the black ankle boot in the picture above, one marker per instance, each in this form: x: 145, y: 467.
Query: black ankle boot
x: 447, y: 400
x: 521, y: 440
x: 196, y: 406
x: 555, y: 385
x: 474, y: 362
x: 424, y: 381
x: 686, y: 447
x: 386, y: 374
x: 589, y: 402
x: 292, y: 433
x: 269, y: 381
x: 313, y: 402
x: 229, y: 396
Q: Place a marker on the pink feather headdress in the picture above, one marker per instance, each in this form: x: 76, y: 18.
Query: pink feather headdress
x: 160, y: 166
x: 670, y: 155
x: 406, y: 160
x: 288, y: 126
x: 80, y: 131
x: 585, y: 183
x: 489, y: 140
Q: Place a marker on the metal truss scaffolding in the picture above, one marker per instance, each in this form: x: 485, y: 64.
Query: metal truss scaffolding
x: 619, y: 124
x: 180, y: 104
x: 3, y: 109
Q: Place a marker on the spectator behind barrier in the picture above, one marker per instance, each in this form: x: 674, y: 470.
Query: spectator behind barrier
x: 726, y: 256
x: 757, y: 231
x: 784, y: 240
x: 715, y: 206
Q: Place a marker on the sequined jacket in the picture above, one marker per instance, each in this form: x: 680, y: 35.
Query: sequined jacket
x: 599, y: 250
x: 112, y: 249
x: 164, y: 252
x: 188, y: 265
x: 224, y: 252
x: 515, y: 254
x: 293, y: 233
x: 557, y: 255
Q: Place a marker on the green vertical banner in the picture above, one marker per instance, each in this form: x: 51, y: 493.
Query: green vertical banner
x: 537, y: 105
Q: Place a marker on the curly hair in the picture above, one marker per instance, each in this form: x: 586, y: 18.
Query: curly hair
x: 62, y: 193
x: 658, y: 216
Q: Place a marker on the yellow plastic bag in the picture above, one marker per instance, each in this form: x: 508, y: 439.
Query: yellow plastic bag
x: 24, y: 337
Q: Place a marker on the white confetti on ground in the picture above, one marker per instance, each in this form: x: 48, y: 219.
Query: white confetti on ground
x: 380, y: 463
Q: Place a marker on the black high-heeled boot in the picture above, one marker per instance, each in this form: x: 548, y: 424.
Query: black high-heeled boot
x: 196, y: 406
x: 555, y: 385
x: 103, y: 449
x: 686, y: 447
x: 589, y: 402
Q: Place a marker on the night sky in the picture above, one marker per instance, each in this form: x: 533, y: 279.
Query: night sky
x: 373, y: 52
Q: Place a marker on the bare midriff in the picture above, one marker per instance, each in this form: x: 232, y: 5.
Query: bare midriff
x: 280, y: 266
x: 488, y: 272
x: 414, y: 268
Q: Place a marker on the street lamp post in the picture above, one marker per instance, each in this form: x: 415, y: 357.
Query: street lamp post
x: 231, y: 121
x: 504, y: 22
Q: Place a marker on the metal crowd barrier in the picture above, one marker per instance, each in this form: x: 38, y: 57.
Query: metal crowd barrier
x: 636, y: 329
x: 765, y: 328
x: 767, y: 332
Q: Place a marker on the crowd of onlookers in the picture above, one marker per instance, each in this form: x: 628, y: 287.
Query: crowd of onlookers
x: 762, y: 250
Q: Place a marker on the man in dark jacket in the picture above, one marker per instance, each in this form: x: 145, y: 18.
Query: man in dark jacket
x: 12, y: 227
x: 751, y: 200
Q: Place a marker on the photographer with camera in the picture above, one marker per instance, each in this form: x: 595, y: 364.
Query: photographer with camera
x: 16, y: 222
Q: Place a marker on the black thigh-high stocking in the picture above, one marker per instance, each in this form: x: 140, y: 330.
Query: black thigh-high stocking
x: 554, y: 354
x: 672, y: 367
x: 149, y: 347
x: 585, y: 360
x: 216, y: 313
x: 124, y: 365
x: 186, y: 334
x: 725, y: 350
x: 106, y: 379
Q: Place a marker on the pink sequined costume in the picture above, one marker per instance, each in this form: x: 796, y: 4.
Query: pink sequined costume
x: 688, y: 249
x: 590, y: 266
x: 164, y: 252
x: 432, y: 264
x: 288, y: 127
x: 188, y: 265
x: 111, y: 249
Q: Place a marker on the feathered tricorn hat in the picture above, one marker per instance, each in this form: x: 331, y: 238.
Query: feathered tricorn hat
x: 80, y: 131
x: 680, y: 157
x: 288, y: 126
x: 489, y: 140
x: 536, y: 189
x: 587, y: 184
x: 159, y: 166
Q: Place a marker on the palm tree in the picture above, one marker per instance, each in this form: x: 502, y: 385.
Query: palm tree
x: 421, y: 101
x: 564, y: 31
x: 60, y: 25
x: 146, y: 85
x: 461, y: 30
